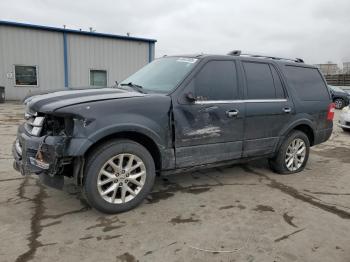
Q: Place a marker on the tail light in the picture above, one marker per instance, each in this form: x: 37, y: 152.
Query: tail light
x: 330, y: 114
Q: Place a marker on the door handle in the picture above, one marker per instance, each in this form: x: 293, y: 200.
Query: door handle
x: 287, y: 110
x: 232, y: 113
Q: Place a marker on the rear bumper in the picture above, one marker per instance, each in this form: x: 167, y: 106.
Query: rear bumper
x: 322, y: 135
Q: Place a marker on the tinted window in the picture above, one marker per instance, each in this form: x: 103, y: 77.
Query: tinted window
x: 278, y: 84
x: 260, y: 83
x: 217, y: 80
x: 307, y: 82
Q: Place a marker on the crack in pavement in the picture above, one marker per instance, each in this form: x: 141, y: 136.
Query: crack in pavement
x: 38, y: 215
x: 287, y: 236
x: 21, y: 189
x: 172, y: 188
x: 298, y: 195
x: 11, y: 179
x: 83, y: 209
x: 289, y: 219
x: 35, y: 226
x: 327, y: 193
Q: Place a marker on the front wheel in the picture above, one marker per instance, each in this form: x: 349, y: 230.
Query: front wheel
x: 346, y: 129
x: 119, y: 175
x: 292, y: 155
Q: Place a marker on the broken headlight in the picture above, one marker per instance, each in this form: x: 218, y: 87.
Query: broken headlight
x: 48, y: 125
x: 58, y: 126
x: 34, y: 124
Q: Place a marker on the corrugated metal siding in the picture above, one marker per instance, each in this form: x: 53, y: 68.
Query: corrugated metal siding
x: 119, y: 57
x: 44, y: 49
x: 30, y: 47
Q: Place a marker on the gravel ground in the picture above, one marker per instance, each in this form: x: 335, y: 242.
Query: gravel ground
x: 238, y: 213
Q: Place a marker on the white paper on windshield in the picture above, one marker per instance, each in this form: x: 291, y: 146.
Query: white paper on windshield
x: 187, y: 60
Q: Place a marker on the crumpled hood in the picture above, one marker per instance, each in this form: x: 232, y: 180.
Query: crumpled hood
x: 55, y: 100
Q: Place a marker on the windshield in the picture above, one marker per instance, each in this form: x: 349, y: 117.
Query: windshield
x: 337, y: 89
x: 162, y: 75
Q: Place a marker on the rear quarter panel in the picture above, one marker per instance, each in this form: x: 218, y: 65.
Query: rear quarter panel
x: 313, y: 111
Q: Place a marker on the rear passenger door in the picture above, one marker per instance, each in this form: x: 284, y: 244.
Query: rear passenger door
x: 268, y: 108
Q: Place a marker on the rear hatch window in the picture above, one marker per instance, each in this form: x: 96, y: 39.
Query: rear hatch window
x: 308, y: 83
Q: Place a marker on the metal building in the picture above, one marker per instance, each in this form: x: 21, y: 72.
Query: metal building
x: 346, y: 68
x: 36, y: 58
x: 329, y: 68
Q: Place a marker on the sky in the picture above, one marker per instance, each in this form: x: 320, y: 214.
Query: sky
x: 317, y: 31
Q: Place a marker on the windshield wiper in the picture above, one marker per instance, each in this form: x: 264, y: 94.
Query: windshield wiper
x: 133, y: 86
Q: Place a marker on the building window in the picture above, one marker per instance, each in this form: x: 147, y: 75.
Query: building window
x: 26, y: 75
x: 98, y: 78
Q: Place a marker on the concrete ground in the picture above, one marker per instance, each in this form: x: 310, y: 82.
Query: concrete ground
x: 238, y: 213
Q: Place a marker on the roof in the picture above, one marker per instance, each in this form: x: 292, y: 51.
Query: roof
x: 285, y: 61
x: 72, y: 31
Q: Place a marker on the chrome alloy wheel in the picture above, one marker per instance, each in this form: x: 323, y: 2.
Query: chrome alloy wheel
x: 295, y: 154
x: 121, y: 178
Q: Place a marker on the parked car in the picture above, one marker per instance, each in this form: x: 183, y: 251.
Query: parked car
x: 176, y: 114
x: 339, y: 96
x: 344, y: 119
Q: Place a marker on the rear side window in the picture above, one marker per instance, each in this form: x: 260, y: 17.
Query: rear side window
x: 307, y: 82
x: 263, y: 81
x: 217, y: 80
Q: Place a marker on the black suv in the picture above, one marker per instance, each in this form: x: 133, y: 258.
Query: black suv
x: 177, y: 113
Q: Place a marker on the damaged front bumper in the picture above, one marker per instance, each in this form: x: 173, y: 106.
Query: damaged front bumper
x: 37, y: 154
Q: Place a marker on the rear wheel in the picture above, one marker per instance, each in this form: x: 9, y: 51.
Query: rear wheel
x: 339, y: 103
x: 292, y: 155
x: 119, y: 175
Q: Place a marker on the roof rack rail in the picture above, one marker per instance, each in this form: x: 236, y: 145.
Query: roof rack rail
x: 239, y: 53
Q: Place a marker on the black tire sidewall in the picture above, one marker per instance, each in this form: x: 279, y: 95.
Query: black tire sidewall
x: 279, y: 165
x: 99, y: 157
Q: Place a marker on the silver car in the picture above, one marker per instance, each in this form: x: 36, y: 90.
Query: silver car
x: 344, y: 120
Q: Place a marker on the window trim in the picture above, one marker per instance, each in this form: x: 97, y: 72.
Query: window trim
x: 240, y: 101
x: 219, y: 60
x: 37, y: 75
x: 281, y: 80
x: 95, y: 69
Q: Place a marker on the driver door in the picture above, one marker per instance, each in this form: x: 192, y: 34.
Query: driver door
x: 210, y: 129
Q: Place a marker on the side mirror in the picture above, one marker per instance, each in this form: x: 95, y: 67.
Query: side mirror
x: 190, y: 97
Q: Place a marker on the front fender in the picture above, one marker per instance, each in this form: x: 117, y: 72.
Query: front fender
x: 100, y: 129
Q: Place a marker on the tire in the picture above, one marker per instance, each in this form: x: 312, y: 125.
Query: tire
x: 346, y: 129
x: 278, y: 163
x: 339, y: 103
x: 103, y: 173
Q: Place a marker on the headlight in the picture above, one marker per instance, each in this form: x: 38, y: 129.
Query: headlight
x: 34, y: 125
